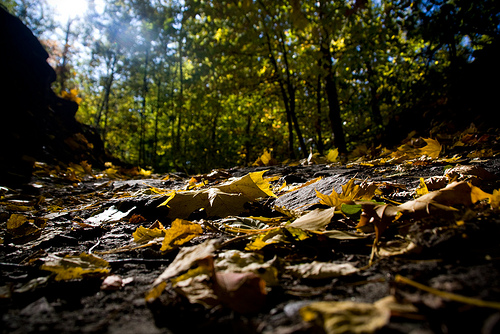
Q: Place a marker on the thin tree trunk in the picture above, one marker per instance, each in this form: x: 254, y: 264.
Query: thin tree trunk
x: 64, y: 71
x: 317, y: 124
x: 377, y: 116
x: 333, y: 102
x: 142, y: 144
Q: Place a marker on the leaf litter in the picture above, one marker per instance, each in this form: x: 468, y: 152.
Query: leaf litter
x: 215, y: 252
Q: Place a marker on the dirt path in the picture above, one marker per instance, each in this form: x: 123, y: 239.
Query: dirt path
x: 46, y: 285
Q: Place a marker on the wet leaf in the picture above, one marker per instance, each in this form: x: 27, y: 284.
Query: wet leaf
x: 75, y: 267
x: 346, y: 316
x: 179, y: 233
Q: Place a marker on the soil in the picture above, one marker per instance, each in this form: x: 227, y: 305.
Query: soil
x: 461, y: 259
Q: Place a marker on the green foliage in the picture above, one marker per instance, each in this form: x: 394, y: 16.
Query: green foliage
x: 203, y: 84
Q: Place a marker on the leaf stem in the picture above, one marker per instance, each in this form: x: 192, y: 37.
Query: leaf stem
x: 448, y: 295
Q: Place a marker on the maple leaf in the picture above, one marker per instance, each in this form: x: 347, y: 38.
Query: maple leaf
x: 143, y: 235
x: 432, y: 149
x: 350, y: 193
x: 224, y: 200
x: 179, y: 233
x: 332, y: 155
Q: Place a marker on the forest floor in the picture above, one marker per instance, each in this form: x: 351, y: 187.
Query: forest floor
x: 101, y: 252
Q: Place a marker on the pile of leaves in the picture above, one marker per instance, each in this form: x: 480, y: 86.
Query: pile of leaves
x: 403, y: 241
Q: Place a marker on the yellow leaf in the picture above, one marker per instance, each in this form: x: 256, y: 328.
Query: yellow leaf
x: 346, y: 316
x: 265, y: 159
x: 179, y: 233
x: 332, y: 155
x: 155, y: 292
x: 477, y: 194
x: 143, y: 235
x: 495, y: 199
x: 350, y: 193
x: 16, y: 220
x: 278, y: 235
x: 75, y: 267
x: 432, y: 149
x: 422, y: 188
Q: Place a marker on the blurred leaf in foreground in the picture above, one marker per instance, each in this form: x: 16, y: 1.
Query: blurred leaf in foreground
x: 75, y: 267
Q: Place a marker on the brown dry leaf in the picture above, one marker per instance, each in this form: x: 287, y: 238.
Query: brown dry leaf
x: 315, y: 220
x: 242, y: 292
x: 224, y: 200
x: 443, y: 200
x: 186, y: 257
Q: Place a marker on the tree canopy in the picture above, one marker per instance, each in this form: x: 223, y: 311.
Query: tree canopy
x: 198, y: 84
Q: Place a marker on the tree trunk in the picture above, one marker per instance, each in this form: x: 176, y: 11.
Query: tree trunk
x: 333, y: 102
x: 377, y: 116
x: 317, y: 124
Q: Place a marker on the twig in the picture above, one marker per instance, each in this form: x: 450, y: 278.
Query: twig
x: 448, y: 295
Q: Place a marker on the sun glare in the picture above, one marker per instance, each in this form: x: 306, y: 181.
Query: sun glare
x: 68, y: 9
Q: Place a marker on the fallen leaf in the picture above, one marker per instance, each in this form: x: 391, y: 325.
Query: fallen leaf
x: 315, y: 220
x: 241, y: 262
x: 432, y: 149
x: 350, y: 193
x: 332, y: 155
x: 75, y: 267
x: 186, y: 257
x: 321, y: 270
x: 346, y: 316
x: 109, y: 215
x: 144, y: 235
x: 179, y: 233
x: 277, y: 235
x: 224, y: 200
x: 242, y: 292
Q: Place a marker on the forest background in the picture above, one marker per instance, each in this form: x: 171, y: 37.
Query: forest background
x: 194, y: 85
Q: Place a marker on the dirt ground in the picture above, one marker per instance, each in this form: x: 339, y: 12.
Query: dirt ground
x: 460, y: 258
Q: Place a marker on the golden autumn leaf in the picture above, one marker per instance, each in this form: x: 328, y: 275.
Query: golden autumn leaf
x: 495, y: 199
x: 332, y: 155
x: 350, y: 193
x: 179, y: 233
x: 143, y: 235
x: 432, y: 149
x: 75, y: 267
x: 346, y: 316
